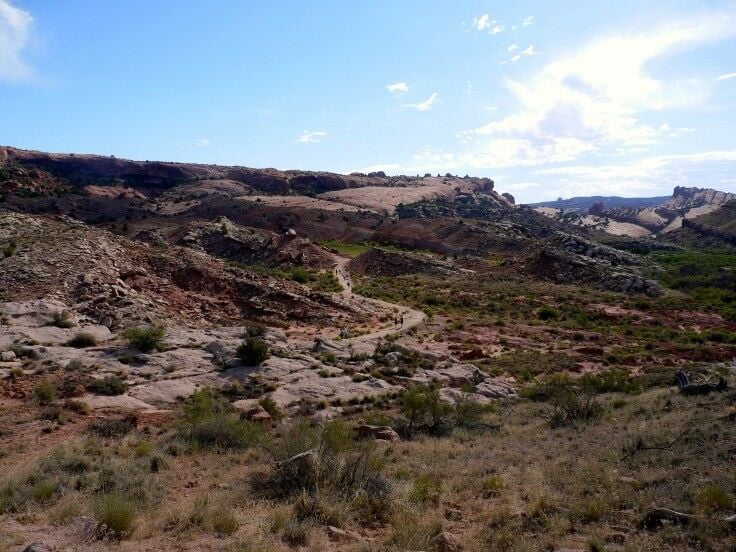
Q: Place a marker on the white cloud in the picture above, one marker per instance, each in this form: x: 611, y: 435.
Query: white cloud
x: 201, y: 142
x: 516, y: 58
x: 310, y: 137
x: 482, y: 22
x: 595, y: 97
x: 708, y: 168
x: 398, y: 88
x: 427, y: 104
x: 512, y: 48
x: 727, y: 76
x: 15, y: 30
x: 529, y: 21
x: 530, y: 51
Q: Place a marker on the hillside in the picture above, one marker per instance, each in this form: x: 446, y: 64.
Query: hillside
x: 199, y: 357
x: 583, y: 204
x: 644, y: 221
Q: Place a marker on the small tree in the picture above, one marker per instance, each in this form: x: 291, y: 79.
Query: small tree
x: 253, y: 351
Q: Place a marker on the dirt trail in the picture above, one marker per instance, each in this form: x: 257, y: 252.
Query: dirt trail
x: 410, y: 317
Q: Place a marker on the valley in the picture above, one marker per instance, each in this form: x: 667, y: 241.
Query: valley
x: 201, y: 357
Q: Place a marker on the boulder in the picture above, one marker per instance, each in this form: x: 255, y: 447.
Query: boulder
x: 7, y: 356
x: 379, y: 433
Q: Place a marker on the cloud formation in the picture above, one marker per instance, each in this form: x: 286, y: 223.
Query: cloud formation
x: 594, y: 99
x: 484, y: 22
x: 727, y: 76
x: 310, y: 137
x: 398, y: 88
x: 427, y: 104
x: 15, y: 30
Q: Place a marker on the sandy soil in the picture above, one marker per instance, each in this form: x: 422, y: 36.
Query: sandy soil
x: 381, y: 198
x: 303, y: 202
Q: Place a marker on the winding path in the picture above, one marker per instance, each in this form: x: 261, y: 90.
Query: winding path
x: 411, y: 317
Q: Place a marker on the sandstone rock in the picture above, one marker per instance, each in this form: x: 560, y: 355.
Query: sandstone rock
x: 382, y: 433
x: 259, y: 415
x: 7, y: 356
x: 496, y: 389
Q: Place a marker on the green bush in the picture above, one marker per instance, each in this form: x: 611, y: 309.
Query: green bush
x: 270, y: 406
x: 252, y: 351
x: 208, y: 422
x: 44, y: 392
x: 424, y: 411
x: 109, y: 385
x: 82, y: 340
x: 115, y: 514
x: 300, y: 275
x: 145, y: 339
x: 712, y: 498
x: 547, y: 313
x: 426, y: 490
x: 493, y: 485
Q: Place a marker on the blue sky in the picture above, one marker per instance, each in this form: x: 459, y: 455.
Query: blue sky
x: 548, y: 98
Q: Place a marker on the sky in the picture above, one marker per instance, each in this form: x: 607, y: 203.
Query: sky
x: 549, y: 98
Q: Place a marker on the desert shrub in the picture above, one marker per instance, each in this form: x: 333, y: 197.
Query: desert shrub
x: 610, y: 381
x: 270, y: 406
x: 80, y: 407
x: 712, y: 498
x: 14, y: 496
x: 223, y: 432
x: 43, y: 490
x: 44, y: 392
x: 110, y: 385
x: 548, y: 313
x: 295, y: 533
x: 255, y: 329
x: 312, y: 507
x: 411, y: 532
x: 426, y: 490
x: 223, y: 520
x: 113, y: 428
x: 469, y: 413
x: 145, y: 339
x: 572, y: 401
x: 493, y: 485
x: 208, y: 422
x: 252, y: 351
x: 62, y: 319
x: 424, y: 411
x: 115, y: 514
x: 300, y: 275
x: 82, y: 466
x: 323, y: 459
x: 82, y: 340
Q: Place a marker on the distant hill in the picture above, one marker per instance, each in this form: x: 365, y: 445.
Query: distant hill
x: 582, y: 204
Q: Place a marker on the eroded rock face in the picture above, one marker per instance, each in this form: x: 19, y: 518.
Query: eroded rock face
x: 574, y: 260
x: 222, y: 238
x: 379, y: 262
